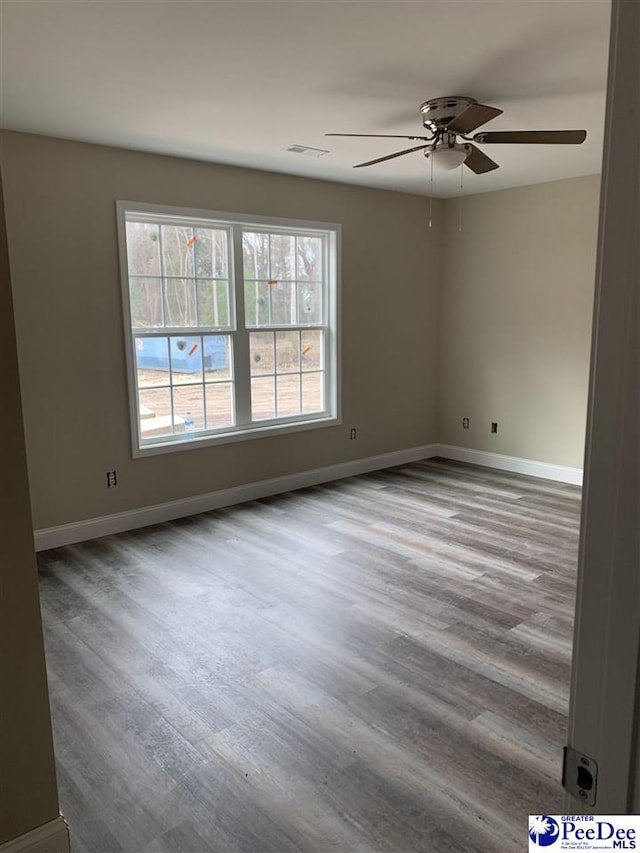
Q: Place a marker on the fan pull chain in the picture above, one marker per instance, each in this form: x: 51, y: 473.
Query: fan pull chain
x: 431, y: 192
x: 460, y: 201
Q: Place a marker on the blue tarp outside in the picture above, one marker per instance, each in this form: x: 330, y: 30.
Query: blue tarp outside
x: 186, y: 353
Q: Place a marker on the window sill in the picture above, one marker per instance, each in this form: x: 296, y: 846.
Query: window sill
x: 194, y: 441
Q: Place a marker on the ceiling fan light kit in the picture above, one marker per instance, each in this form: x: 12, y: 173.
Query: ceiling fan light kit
x: 448, y: 157
x: 455, y: 116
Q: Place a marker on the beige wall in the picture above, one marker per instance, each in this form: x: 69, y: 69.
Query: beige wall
x: 511, y: 311
x: 62, y: 236
x: 515, y: 320
x: 28, y: 794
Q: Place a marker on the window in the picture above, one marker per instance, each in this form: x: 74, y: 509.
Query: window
x: 230, y: 324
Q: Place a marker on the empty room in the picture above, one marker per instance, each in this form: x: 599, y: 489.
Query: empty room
x: 297, y: 515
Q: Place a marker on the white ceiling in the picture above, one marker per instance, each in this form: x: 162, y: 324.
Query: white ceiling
x: 237, y: 82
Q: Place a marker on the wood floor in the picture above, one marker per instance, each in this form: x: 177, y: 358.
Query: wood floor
x: 377, y: 664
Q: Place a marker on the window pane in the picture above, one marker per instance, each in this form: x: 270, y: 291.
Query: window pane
x: 309, y: 258
x: 145, y: 298
x: 288, y: 395
x: 143, y: 248
x: 287, y: 352
x: 186, y: 360
x: 263, y: 404
x: 255, y: 254
x: 312, y: 392
x: 312, y: 346
x: 222, y: 301
x: 182, y: 287
x: 154, y: 414
x: 261, y: 352
x: 283, y: 303
x: 189, y: 399
x: 310, y: 302
x: 217, y: 357
x: 152, y: 361
x: 219, y: 399
x: 257, y: 303
x: 178, y: 253
x: 211, y: 253
x: 180, y: 302
x: 213, y: 303
x: 283, y: 265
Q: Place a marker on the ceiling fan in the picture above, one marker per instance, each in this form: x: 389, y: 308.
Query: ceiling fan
x: 448, y: 119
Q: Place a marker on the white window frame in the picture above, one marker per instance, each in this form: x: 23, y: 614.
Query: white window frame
x: 331, y: 232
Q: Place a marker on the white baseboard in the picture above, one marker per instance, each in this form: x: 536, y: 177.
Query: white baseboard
x: 92, y: 528
x: 51, y: 837
x: 531, y: 467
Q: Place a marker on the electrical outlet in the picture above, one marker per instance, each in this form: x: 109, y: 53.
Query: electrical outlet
x: 494, y: 426
x: 112, y: 479
x: 352, y: 434
x: 465, y: 423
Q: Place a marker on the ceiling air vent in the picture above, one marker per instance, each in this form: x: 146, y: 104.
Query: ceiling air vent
x: 305, y: 149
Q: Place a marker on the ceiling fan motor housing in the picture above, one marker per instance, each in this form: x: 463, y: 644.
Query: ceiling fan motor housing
x: 438, y: 112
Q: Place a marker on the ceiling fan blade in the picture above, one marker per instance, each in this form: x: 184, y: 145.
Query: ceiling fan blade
x: 514, y: 137
x: 472, y: 117
x: 391, y: 156
x: 478, y: 161
x: 381, y: 135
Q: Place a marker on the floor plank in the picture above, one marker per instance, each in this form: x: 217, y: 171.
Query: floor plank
x: 376, y: 664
